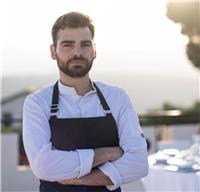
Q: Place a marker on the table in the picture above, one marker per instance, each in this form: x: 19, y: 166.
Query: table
x: 160, y: 179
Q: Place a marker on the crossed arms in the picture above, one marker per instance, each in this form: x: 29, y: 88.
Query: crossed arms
x: 96, y: 177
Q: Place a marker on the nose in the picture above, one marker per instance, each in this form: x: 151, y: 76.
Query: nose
x: 77, y: 51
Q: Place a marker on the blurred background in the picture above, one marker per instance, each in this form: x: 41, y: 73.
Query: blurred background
x: 151, y: 48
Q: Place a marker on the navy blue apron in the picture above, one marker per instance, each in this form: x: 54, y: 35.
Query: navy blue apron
x: 80, y: 133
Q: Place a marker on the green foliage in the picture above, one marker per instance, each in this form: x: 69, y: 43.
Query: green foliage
x: 165, y: 115
x: 165, y: 107
x: 194, y: 108
x: 11, y: 129
x: 193, y: 53
x: 169, y: 106
x: 187, y: 13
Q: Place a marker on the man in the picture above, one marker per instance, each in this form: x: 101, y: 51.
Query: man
x: 81, y: 135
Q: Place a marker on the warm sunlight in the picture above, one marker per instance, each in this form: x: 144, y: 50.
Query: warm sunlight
x: 142, y: 24
x: 125, y: 30
x: 136, y: 25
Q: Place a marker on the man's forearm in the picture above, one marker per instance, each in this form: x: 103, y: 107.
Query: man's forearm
x: 104, y: 154
x: 94, y: 178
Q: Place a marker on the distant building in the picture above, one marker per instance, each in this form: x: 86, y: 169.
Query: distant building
x: 12, y: 107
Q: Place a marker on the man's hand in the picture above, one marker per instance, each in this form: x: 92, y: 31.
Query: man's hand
x: 104, y: 154
x: 95, y: 178
x: 68, y: 181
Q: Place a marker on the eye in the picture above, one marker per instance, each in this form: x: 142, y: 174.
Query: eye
x: 67, y: 45
x: 86, y: 45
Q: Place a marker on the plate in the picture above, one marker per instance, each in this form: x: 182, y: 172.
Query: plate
x: 182, y: 164
x: 196, y: 167
x: 161, y: 157
x: 171, y: 152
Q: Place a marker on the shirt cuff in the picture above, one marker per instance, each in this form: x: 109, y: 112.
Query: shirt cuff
x: 86, y: 157
x: 110, y: 170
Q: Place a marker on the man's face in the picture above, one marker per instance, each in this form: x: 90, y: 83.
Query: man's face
x: 74, y: 52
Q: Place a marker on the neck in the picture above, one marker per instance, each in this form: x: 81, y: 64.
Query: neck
x: 82, y: 84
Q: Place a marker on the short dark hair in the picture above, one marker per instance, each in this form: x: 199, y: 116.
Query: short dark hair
x: 72, y: 20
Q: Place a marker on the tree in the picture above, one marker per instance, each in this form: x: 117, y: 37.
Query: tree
x: 187, y: 13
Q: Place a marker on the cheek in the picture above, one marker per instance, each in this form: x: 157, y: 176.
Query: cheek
x: 62, y: 53
x: 90, y: 53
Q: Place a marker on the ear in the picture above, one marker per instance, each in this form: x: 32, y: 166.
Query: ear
x: 95, y: 54
x: 53, y: 51
x: 95, y: 51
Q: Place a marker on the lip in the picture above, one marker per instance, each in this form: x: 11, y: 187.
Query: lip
x: 77, y: 62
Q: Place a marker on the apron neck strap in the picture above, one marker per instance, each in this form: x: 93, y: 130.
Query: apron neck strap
x: 103, y: 100
x: 55, y: 97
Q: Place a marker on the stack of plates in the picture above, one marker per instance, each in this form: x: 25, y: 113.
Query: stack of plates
x: 175, y: 160
x: 181, y: 164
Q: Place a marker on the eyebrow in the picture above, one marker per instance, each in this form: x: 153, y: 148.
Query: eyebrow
x: 66, y: 41
x: 71, y: 41
x: 86, y: 41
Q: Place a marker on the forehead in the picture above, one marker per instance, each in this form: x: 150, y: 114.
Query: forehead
x: 74, y: 34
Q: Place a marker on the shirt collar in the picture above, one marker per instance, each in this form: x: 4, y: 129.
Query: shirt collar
x: 66, y: 90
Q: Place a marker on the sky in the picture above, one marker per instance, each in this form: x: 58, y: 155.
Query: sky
x: 132, y: 36
x: 138, y: 48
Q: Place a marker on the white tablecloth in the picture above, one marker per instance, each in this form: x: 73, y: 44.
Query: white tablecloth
x: 160, y: 179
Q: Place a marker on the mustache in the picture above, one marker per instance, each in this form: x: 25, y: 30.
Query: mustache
x: 75, y: 58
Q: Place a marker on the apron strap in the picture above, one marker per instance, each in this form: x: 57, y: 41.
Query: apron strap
x: 55, y: 97
x: 103, y: 100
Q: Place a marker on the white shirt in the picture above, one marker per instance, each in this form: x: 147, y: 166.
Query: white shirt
x: 53, y: 165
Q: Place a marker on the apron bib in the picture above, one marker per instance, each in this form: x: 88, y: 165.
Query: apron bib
x: 80, y: 133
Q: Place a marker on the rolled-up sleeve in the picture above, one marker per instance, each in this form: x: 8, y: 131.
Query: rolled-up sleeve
x: 133, y: 164
x: 111, y: 171
x: 86, y: 160
x: 48, y: 163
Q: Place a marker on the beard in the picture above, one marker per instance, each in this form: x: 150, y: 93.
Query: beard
x: 77, y: 70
